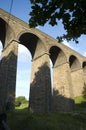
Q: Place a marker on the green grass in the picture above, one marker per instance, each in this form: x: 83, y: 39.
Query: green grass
x: 22, y: 106
x: 79, y: 100
x: 80, y: 104
x: 21, y: 119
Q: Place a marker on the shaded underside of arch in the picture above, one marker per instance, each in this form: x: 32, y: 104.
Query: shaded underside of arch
x: 6, y: 32
x: 33, y: 43
x: 84, y: 67
x: 57, y: 56
x: 2, y: 31
x: 74, y: 63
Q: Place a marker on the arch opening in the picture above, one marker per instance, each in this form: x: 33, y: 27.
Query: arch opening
x: 54, y: 52
x: 51, y: 75
x: 23, y: 72
x: 2, y: 31
x: 57, y: 56
x: 40, y: 83
x: 74, y: 63
x: 62, y: 91
x: 33, y: 43
x: 84, y: 67
x: 1, y: 48
x: 30, y: 41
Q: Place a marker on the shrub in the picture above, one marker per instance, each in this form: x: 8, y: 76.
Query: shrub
x: 20, y: 100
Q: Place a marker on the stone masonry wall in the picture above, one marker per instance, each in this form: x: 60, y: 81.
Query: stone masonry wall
x: 40, y: 87
x: 78, y: 82
x: 62, y: 89
x: 8, y: 78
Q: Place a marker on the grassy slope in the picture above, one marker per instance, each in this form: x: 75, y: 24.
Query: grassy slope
x: 21, y: 119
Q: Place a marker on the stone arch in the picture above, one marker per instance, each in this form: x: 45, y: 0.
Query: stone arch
x: 2, y: 31
x: 74, y: 63
x: 6, y: 32
x: 57, y: 56
x: 76, y: 75
x: 84, y: 66
x: 62, y: 86
x: 40, y: 84
x: 33, y: 43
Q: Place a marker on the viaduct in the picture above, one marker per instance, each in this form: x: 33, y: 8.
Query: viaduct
x: 69, y: 68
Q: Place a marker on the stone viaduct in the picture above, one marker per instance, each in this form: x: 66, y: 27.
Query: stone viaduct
x: 69, y: 68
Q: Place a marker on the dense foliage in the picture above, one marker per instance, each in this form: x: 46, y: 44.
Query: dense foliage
x: 72, y: 13
x: 20, y: 100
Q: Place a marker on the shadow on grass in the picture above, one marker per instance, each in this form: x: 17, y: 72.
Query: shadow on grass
x: 24, y: 110
x: 81, y: 107
x: 83, y: 104
x: 22, y: 119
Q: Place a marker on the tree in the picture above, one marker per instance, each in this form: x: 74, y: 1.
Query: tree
x: 72, y: 13
x: 20, y: 100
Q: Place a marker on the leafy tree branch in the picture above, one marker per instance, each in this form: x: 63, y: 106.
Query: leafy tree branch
x: 72, y: 13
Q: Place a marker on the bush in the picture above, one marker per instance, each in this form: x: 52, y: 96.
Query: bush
x: 20, y: 100
x: 17, y: 103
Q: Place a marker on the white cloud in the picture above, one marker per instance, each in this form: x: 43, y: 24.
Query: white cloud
x: 23, y: 88
x: 38, y: 27
x: 23, y: 58
x: 69, y: 45
x: 76, y: 47
x: 1, y: 45
x: 23, y: 74
x: 66, y: 43
x: 0, y: 49
x: 23, y: 50
x: 84, y: 54
x: 23, y: 54
x: 23, y: 83
x: 23, y: 71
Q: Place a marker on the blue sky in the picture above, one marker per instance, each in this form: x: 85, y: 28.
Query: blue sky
x: 21, y: 9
